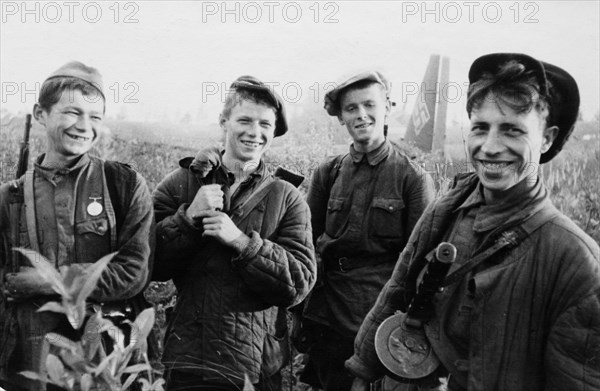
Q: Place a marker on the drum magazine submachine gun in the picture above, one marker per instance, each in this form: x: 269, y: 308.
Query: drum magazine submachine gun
x: 400, y: 341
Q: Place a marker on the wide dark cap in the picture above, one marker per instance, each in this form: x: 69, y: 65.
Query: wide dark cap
x: 556, y: 85
x: 253, y: 84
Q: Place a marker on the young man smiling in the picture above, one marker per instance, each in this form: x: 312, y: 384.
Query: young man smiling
x: 237, y: 244
x: 506, y: 143
x: 73, y: 208
x: 520, y: 308
x: 364, y: 205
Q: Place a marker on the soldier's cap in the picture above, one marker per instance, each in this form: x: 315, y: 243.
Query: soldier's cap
x: 80, y: 71
x: 332, y: 104
x: 557, y: 86
x: 251, y: 83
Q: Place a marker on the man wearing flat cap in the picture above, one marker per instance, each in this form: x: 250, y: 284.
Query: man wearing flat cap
x: 520, y: 305
x: 237, y: 243
x: 73, y: 208
x: 364, y: 206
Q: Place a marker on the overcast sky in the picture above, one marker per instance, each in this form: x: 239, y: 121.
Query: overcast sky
x: 164, y: 58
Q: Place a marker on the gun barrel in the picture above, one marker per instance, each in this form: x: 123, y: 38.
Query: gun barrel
x: 420, y: 307
x: 24, y: 150
x: 27, y: 128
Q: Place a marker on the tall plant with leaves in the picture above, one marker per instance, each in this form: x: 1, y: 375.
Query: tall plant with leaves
x: 84, y: 365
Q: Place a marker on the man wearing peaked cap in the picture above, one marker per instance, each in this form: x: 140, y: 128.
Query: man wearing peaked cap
x: 83, y: 208
x: 520, y: 308
x: 237, y: 243
x: 332, y: 102
x: 364, y: 205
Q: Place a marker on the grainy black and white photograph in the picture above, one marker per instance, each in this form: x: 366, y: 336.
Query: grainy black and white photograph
x: 300, y: 195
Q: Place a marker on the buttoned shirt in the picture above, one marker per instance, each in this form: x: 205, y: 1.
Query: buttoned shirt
x: 68, y: 232
x: 370, y: 211
x: 55, y: 198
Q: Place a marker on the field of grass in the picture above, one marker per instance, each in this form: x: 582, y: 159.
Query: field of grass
x: 573, y: 178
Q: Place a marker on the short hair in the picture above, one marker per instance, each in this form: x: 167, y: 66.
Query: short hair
x: 238, y: 95
x: 53, y: 88
x: 359, y: 85
x: 514, y: 86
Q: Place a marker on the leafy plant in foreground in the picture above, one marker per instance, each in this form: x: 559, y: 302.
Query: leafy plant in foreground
x: 84, y: 364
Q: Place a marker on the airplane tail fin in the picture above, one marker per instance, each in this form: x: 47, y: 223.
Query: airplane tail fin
x: 427, y: 126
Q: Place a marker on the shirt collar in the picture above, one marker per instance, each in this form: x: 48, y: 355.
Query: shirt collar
x: 211, y: 160
x: 374, y: 157
x: 206, y: 160
x: 254, y: 175
x: 50, y: 172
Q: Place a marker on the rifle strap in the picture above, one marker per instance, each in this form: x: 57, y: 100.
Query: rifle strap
x: 29, y: 203
x: 14, y: 215
x: 334, y: 172
x: 508, y: 239
x: 254, y: 199
x: 110, y: 211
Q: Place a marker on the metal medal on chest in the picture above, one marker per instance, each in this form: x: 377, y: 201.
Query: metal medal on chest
x: 94, y: 208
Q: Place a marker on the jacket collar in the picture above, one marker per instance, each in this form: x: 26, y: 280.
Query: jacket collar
x: 210, y: 160
x: 520, y: 202
x: 374, y: 157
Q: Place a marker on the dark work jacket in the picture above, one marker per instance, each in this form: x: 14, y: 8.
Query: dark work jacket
x: 374, y: 202
x: 535, y: 314
x: 228, y: 303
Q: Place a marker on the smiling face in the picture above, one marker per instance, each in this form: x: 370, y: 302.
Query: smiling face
x: 249, y: 130
x: 364, y: 111
x: 72, y: 125
x: 505, y: 146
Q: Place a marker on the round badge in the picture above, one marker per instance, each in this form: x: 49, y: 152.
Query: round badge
x: 94, y: 208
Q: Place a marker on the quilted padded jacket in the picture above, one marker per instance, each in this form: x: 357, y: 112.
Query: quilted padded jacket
x: 228, y: 303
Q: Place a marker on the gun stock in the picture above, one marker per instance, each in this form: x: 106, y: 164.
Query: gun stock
x: 24, y: 150
x: 289, y: 176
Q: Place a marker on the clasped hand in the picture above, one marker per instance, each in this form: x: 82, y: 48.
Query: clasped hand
x: 206, y: 208
x: 208, y: 197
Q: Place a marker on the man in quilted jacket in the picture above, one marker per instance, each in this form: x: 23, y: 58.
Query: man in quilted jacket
x: 520, y: 305
x: 237, y: 243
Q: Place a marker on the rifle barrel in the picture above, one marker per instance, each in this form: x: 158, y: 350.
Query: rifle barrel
x: 24, y: 150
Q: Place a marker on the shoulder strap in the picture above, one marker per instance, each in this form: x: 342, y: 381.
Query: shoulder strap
x: 119, y: 195
x: 334, y: 172
x: 109, y: 207
x: 16, y: 199
x: 255, y: 198
x: 29, y: 203
x: 510, y: 238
